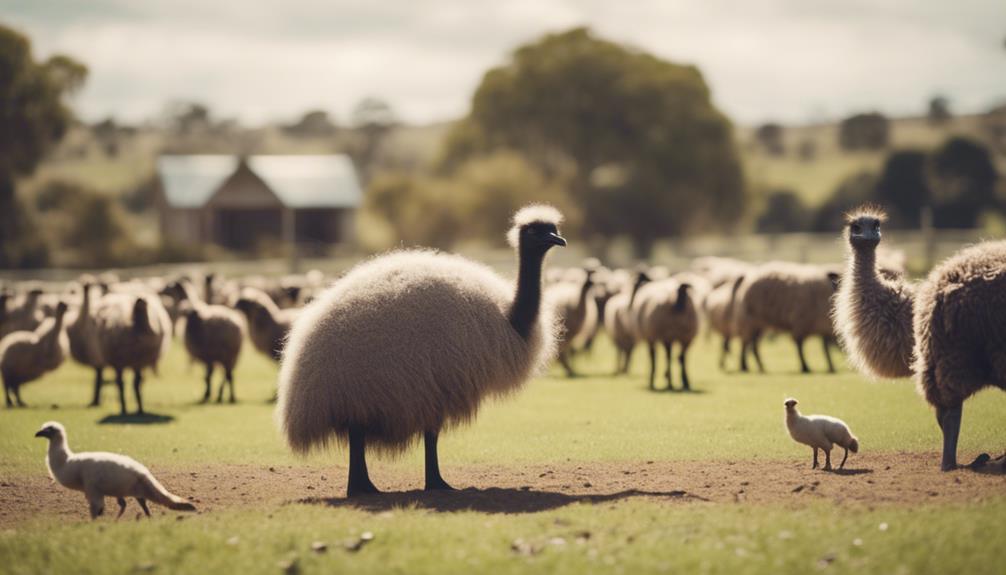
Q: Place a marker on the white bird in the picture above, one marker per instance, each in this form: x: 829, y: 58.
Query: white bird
x: 820, y: 432
x: 100, y: 475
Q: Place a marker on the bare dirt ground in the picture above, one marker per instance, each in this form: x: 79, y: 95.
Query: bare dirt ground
x: 867, y: 480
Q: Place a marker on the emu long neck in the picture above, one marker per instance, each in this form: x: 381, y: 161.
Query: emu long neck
x: 527, y: 301
x: 52, y: 336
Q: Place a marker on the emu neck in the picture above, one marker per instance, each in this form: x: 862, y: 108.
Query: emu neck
x: 59, y: 453
x: 527, y: 301
x: 85, y: 306
x: 52, y: 335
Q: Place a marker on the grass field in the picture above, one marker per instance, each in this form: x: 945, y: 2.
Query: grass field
x: 594, y: 421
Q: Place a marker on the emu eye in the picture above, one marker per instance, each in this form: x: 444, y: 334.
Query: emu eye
x: 856, y: 229
x: 876, y: 226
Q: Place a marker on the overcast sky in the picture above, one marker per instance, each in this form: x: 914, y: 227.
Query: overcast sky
x: 789, y: 60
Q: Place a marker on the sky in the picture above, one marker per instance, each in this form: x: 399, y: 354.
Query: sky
x: 257, y: 61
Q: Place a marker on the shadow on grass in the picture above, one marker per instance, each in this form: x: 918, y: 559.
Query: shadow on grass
x: 691, y: 391
x: 136, y: 419
x: 851, y: 471
x: 492, y: 500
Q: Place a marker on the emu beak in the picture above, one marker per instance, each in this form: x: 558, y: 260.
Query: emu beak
x: 40, y: 433
x: 556, y: 240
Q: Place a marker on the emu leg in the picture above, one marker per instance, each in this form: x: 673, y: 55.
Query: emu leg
x: 844, y: 457
x: 564, y: 360
x: 949, y: 419
x: 137, y: 384
x: 827, y: 460
x: 827, y: 354
x: 815, y: 459
x: 96, y: 400
x: 684, y: 370
x: 670, y: 360
x: 433, y: 479
x: 121, y: 384
x: 230, y: 384
x: 757, y: 353
x: 653, y: 365
x: 209, y: 385
x: 122, y: 506
x: 799, y: 351
x: 359, y: 479
x: 143, y: 505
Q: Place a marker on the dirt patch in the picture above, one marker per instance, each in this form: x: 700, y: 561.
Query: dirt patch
x: 872, y: 479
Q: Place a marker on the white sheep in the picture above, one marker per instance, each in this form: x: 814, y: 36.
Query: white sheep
x: 820, y: 432
x: 100, y: 474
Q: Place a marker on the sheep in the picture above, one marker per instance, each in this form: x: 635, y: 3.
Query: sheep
x: 100, y: 474
x: 718, y: 307
x: 23, y: 316
x: 787, y: 297
x: 619, y: 322
x: 213, y: 335
x: 27, y: 355
x: 409, y: 344
x: 268, y: 325
x: 576, y: 312
x: 664, y: 312
x: 949, y: 331
x: 820, y: 432
x: 133, y: 332
x: 81, y: 330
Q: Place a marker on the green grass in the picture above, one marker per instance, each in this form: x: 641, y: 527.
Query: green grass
x: 594, y: 418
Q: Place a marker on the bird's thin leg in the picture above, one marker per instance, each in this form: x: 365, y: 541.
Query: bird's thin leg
x: 844, y: 457
x: 209, y: 384
x: 96, y: 400
x: 668, y: 352
x: 230, y: 384
x: 359, y: 479
x: 684, y: 370
x: 815, y: 459
x: 143, y: 505
x: 827, y: 354
x: 122, y: 506
x: 137, y: 383
x: 119, y: 383
x: 827, y: 460
x: 653, y: 365
x: 804, y: 368
x: 949, y: 419
x: 433, y: 478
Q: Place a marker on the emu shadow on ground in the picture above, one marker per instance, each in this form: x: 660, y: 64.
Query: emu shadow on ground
x: 491, y: 500
x: 136, y: 419
x: 851, y: 471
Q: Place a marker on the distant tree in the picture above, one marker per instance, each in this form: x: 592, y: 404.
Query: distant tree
x: 870, y: 131
x: 851, y: 192
x: 372, y: 119
x: 903, y: 187
x: 107, y: 134
x: 770, y: 137
x: 313, y: 124
x: 939, y: 110
x: 807, y: 150
x: 574, y: 103
x: 784, y: 212
x: 189, y: 118
x: 34, y: 117
x: 963, y: 180
x: 993, y: 124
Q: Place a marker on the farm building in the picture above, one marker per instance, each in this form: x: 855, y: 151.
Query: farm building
x: 239, y: 202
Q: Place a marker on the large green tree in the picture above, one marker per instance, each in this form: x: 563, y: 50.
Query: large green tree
x: 33, y: 118
x: 648, y: 153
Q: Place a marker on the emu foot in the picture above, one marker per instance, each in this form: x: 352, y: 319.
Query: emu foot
x: 438, y: 484
x: 358, y: 488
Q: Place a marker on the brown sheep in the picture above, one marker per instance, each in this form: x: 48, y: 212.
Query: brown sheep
x: 576, y: 312
x: 25, y: 315
x: 665, y: 313
x: 81, y: 330
x: 268, y: 325
x: 619, y: 322
x: 28, y: 355
x: 949, y: 331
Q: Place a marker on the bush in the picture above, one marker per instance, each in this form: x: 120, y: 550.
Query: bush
x: 853, y: 191
x: 869, y: 131
x: 784, y: 212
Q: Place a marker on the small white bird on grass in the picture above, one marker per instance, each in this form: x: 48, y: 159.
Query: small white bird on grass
x: 820, y: 432
x: 100, y: 475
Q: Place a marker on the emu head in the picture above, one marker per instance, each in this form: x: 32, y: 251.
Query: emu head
x: 535, y: 230
x: 862, y: 227
x: 51, y: 430
x: 791, y: 403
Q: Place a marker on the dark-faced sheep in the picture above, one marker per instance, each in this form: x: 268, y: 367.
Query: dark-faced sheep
x: 949, y: 331
x: 665, y: 313
x: 28, y: 355
x: 409, y: 344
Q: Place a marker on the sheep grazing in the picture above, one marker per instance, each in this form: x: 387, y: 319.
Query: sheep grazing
x: 268, y: 325
x: 410, y: 343
x: 82, y: 332
x: 25, y: 315
x: 820, y: 432
x: 100, y: 474
x: 789, y: 298
x: 619, y: 322
x: 133, y: 332
x: 213, y: 336
x: 665, y: 313
x: 27, y: 355
x: 949, y: 331
x: 718, y: 307
x: 576, y: 312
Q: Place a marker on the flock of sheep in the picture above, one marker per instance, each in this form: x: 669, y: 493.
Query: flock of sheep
x: 409, y: 344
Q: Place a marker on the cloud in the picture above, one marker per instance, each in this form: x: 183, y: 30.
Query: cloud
x: 785, y: 59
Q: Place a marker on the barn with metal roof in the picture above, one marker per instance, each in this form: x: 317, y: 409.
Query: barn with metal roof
x: 241, y: 203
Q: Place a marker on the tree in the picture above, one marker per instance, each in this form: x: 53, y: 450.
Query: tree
x: 784, y: 212
x: 939, y: 110
x: 576, y: 104
x: 853, y: 191
x: 963, y: 179
x: 770, y: 136
x: 372, y: 119
x: 313, y: 124
x: 870, y: 131
x: 34, y: 117
x: 903, y: 187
